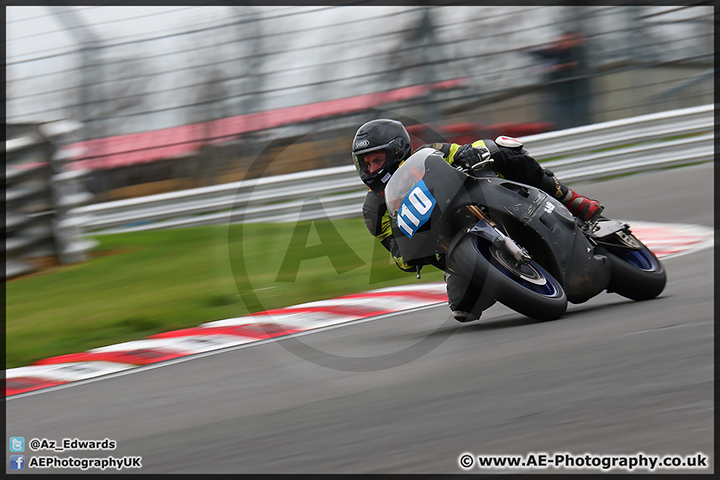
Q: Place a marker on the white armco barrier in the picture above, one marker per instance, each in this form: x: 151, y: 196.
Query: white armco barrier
x: 643, y: 143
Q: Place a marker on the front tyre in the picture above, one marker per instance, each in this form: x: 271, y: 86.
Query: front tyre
x: 637, y: 273
x: 526, y: 288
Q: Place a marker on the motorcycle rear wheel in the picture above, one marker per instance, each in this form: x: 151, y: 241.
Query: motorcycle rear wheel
x: 635, y: 274
x: 528, y: 288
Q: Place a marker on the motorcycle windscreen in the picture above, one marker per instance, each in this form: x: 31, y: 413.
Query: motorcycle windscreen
x: 416, y: 197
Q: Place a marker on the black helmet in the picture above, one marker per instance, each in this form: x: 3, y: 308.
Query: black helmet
x: 384, y: 135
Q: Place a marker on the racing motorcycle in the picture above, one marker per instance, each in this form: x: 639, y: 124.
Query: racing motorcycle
x: 515, y: 243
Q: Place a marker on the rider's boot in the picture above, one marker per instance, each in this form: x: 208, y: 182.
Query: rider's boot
x: 580, y: 206
x: 465, y: 301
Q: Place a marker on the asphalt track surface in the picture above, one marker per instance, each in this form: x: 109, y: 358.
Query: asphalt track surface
x: 611, y: 376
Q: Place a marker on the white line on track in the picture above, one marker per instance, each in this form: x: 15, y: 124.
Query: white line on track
x: 703, y: 233
x: 142, y: 368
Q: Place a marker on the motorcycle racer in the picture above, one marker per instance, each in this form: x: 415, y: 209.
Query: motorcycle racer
x: 381, y: 145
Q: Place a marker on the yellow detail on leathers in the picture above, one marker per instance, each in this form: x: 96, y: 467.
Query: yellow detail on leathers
x: 402, y: 265
x: 385, y: 227
x: 454, y: 148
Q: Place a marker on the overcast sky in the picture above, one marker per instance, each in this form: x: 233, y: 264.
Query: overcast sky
x: 38, y: 43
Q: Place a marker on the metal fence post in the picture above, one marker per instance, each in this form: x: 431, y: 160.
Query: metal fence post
x: 41, y: 229
x: 28, y: 207
x: 68, y: 192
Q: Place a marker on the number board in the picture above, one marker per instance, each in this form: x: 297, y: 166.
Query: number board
x: 415, y: 209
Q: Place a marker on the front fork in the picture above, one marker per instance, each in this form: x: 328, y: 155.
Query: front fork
x: 487, y: 229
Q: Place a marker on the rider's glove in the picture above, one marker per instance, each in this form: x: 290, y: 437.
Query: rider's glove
x: 402, y: 265
x: 410, y: 266
x: 467, y: 155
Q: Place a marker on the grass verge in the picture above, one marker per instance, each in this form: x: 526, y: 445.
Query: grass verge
x: 141, y: 283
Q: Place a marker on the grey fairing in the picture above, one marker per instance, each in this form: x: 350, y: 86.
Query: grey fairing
x: 531, y: 217
x: 542, y: 225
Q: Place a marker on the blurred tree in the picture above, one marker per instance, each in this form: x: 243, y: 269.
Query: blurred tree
x: 90, y: 95
x: 414, y: 60
x: 125, y: 90
x: 209, y: 97
x: 251, y: 42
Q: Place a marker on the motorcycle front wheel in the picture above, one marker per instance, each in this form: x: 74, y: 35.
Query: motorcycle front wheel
x: 636, y: 273
x: 526, y: 288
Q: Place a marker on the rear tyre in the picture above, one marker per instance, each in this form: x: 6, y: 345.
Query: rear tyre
x: 634, y: 274
x: 527, y: 288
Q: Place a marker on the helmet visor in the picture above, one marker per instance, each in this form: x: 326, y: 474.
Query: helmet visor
x: 371, y: 160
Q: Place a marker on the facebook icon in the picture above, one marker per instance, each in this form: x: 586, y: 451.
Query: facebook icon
x: 17, y: 462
